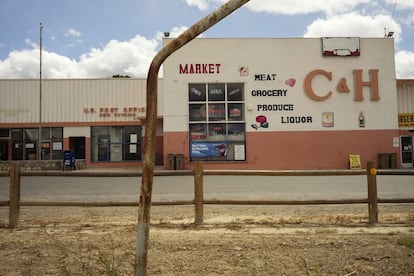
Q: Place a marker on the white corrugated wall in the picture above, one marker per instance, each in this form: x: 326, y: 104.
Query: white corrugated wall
x: 71, y: 100
x: 405, y: 97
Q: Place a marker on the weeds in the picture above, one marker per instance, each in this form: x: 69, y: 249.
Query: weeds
x: 407, y: 241
x: 91, y: 260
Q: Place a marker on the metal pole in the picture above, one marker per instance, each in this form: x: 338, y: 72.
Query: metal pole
x: 151, y: 121
x: 39, y: 136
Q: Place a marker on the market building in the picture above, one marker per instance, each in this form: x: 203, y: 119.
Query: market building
x: 255, y: 103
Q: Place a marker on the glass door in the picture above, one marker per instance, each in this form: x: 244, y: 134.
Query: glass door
x: 4, y: 150
x: 407, y: 151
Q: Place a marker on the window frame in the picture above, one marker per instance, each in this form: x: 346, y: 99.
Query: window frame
x: 212, y: 113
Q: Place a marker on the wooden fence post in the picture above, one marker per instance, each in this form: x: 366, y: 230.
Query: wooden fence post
x: 198, y: 193
x: 372, y: 193
x: 14, y: 195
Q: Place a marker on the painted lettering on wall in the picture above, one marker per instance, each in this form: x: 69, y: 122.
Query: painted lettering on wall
x: 296, y: 119
x: 115, y: 111
x: 274, y: 107
x: 200, y: 68
x: 269, y: 93
x: 261, y: 120
x: 264, y: 77
x: 342, y: 85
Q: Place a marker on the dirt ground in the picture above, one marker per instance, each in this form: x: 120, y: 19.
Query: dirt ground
x: 234, y: 240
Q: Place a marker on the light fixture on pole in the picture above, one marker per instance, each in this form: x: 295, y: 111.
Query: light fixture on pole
x: 39, y: 137
x: 388, y: 34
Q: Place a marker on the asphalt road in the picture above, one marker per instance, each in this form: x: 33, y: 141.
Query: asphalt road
x: 169, y: 188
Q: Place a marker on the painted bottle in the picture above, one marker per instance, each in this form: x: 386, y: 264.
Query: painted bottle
x: 361, y: 119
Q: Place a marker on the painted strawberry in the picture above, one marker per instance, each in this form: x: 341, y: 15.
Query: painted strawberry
x: 290, y: 82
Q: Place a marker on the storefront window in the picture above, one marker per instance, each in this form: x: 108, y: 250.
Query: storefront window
x: 52, y: 143
x: 17, y: 144
x: 216, y: 121
x: 111, y: 144
x: 30, y: 143
x: 25, y: 143
x: 4, y: 132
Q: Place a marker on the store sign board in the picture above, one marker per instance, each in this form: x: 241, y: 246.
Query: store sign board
x: 406, y: 119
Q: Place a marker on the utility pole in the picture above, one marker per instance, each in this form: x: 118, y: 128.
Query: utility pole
x: 39, y: 137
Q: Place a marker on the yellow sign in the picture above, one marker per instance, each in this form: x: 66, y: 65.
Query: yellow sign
x: 354, y: 161
x: 406, y: 119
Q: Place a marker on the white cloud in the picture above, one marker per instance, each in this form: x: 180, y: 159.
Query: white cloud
x: 352, y: 24
x: 120, y: 57
x: 200, y: 4
x: 204, y: 4
x: 31, y: 43
x: 73, y: 33
x: 21, y: 64
x: 291, y: 7
x: 25, y: 64
x: 402, y: 3
x: 132, y: 57
x: 116, y: 57
x: 404, y: 63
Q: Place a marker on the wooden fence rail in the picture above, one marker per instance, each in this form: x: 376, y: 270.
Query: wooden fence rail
x: 14, y: 203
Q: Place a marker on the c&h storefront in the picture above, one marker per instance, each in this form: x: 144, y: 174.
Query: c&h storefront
x: 281, y: 103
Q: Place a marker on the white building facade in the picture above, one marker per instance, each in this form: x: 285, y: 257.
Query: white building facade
x: 281, y: 103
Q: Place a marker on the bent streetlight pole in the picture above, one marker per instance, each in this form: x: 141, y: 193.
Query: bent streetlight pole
x: 151, y: 121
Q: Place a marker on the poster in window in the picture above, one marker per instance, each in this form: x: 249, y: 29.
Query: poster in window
x: 235, y: 112
x: 216, y: 92
x: 30, y: 146
x: 239, y: 152
x: 197, y: 112
x: 133, y: 138
x: 216, y: 112
x: 235, y: 92
x: 132, y: 148
x: 209, y: 149
x: 198, y: 131
x: 57, y: 146
x: 197, y: 92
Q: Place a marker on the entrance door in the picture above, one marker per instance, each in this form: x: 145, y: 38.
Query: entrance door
x: 4, y: 150
x: 77, y: 144
x: 407, y: 151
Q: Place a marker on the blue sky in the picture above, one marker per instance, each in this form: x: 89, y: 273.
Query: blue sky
x: 100, y: 38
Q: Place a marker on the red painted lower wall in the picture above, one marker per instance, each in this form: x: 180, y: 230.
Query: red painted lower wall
x: 297, y: 149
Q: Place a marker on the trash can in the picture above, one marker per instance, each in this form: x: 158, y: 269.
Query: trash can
x: 393, y: 160
x: 68, y: 160
x: 179, y: 162
x: 171, y: 161
x: 384, y: 161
